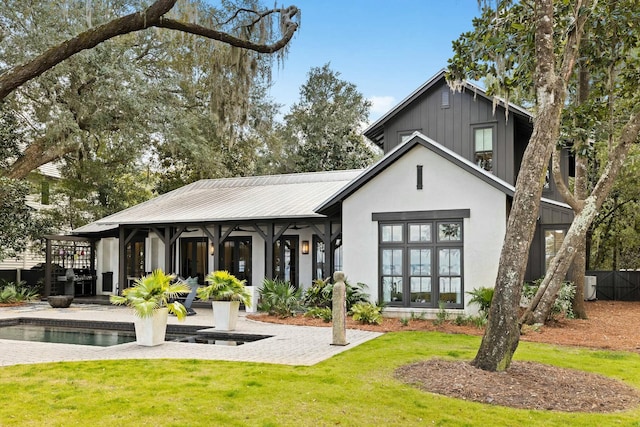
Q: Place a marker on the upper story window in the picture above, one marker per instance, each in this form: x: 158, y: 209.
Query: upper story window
x: 444, y: 98
x: 405, y: 135
x: 483, y: 148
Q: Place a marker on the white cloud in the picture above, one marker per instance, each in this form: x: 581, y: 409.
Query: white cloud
x: 381, y: 104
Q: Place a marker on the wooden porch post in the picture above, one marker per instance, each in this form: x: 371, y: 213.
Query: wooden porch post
x: 122, y: 259
x: 269, y: 251
x: 327, y: 269
x: 47, y: 269
x: 167, y: 249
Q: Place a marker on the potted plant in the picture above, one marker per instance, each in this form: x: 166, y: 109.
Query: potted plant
x: 227, y: 292
x: 150, y: 298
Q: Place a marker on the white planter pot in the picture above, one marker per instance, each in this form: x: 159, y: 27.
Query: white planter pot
x: 151, y: 331
x: 225, y: 314
x: 254, y: 291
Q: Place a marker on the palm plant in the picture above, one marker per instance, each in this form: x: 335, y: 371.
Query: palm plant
x: 483, y: 297
x: 224, y: 286
x: 320, y: 294
x: 152, y: 292
x: 14, y: 293
x: 279, y: 298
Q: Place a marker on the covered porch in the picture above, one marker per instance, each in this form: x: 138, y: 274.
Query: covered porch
x: 255, y: 227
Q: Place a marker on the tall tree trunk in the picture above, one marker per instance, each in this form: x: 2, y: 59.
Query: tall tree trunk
x: 579, y: 266
x: 543, y: 301
x: 502, y: 333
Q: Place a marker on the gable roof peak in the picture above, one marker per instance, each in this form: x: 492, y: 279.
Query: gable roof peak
x: 375, y: 131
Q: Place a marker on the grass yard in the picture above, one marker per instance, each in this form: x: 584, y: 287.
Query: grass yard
x: 355, y: 388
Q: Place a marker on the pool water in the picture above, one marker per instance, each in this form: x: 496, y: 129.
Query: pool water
x: 65, y: 335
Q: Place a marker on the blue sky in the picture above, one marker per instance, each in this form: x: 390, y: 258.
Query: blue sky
x: 387, y: 48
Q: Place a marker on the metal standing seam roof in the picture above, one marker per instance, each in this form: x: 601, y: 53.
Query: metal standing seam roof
x: 228, y: 199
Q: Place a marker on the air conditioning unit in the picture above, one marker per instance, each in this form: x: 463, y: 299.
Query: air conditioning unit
x: 590, y: 283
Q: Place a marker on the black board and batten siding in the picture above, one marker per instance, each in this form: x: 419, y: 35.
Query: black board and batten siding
x: 454, y: 126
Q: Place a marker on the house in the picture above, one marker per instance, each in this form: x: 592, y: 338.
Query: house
x: 421, y: 227
x: 18, y: 268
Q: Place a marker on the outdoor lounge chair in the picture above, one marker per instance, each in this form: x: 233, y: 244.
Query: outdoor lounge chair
x: 192, y: 282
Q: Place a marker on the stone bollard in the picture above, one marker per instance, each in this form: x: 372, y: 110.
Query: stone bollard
x: 69, y: 286
x: 339, y: 310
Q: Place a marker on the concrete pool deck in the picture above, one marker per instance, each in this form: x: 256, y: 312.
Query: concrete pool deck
x: 288, y: 345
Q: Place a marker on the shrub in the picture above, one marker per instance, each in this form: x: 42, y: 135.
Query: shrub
x: 320, y: 294
x: 323, y: 313
x: 441, y: 315
x: 460, y: 320
x: 562, y: 304
x: 16, y: 292
x: 279, y: 298
x: 482, y: 297
x: 367, y: 313
x: 477, y: 321
x: 421, y: 316
x: 404, y: 321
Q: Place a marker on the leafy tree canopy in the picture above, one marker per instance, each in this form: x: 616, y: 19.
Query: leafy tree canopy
x: 322, y: 130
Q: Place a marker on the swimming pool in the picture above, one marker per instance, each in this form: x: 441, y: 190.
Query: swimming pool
x: 106, y: 334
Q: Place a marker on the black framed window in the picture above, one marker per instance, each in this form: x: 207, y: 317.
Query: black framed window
x: 236, y: 257
x: 320, y: 257
x: 336, y: 250
x: 405, y: 135
x: 135, y: 255
x: 421, y: 263
x: 285, y: 259
x: 194, y: 261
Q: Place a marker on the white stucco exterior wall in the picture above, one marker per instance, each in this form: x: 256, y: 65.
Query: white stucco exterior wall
x: 106, y: 261
x: 446, y: 187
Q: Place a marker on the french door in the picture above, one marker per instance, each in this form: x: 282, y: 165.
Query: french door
x: 285, y: 259
x: 235, y: 257
x: 194, y: 261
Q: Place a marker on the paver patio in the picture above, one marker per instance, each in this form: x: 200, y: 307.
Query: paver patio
x: 289, y: 345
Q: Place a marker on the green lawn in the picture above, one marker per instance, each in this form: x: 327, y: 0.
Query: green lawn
x: 355, y: 388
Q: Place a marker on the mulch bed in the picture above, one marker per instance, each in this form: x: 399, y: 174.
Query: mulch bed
x: 525, y: 385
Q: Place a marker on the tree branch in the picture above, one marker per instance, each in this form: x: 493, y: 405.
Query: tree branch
x: 575, y: 204
x: 572, y: 45
x: 227, y: 38
x: 137, y: 21
x: 38, y: 154
x: 14, y: 78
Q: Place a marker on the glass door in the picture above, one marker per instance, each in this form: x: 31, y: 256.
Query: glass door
x: 194, y: 261
x: 235, y: 257
x: 285, y: 259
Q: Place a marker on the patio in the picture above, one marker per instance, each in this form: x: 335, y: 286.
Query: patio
x: 289, y: 345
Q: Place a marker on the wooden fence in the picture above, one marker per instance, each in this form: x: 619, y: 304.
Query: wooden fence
x: 617, y: 285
